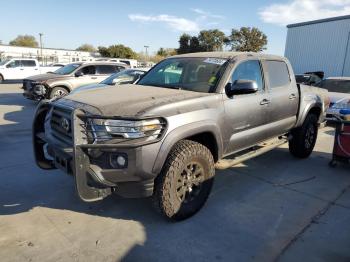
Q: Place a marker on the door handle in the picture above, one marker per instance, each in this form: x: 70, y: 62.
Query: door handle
x: 93, y: 77
x: 292, y: 96
x: 21, y: 69
x: 265, y: 102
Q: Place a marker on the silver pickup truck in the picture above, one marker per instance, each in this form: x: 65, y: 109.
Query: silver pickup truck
x: 165, y: 136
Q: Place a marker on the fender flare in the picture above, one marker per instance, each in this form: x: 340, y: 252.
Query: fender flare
x: 183, y: 132
x: 306, y: 111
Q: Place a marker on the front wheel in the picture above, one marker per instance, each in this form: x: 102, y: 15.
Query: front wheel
x: 1, y: 78
x: 58, y: 92
x: 304, y: 138
x: 185, y: 182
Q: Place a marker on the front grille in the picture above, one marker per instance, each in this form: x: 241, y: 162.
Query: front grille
x: 27, y: 85
x: 61, y: 125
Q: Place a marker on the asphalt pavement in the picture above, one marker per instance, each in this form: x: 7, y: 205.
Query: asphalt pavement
x: 271, y: 208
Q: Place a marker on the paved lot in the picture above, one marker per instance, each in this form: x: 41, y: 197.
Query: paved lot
x: 272, y: 208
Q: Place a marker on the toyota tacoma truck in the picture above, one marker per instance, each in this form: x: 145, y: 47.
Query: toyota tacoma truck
x: 165, y: 136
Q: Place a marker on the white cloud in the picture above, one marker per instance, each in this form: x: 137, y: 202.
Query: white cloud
x: 303, y: 10
x: 205, y: 14
x: 176, y: 23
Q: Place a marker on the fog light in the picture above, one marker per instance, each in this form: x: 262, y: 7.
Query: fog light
x: 119, y: 160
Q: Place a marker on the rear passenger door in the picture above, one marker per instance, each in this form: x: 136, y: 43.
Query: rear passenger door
x: 104, y: 71
x: 30, y: 68
x: 283, y: 96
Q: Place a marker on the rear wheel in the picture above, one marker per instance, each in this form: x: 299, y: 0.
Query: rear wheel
x: 304, y: 138
x: 58, y: 92
x: 185, y: 182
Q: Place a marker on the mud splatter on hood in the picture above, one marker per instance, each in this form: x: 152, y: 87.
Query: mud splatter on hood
x: 131, y: 100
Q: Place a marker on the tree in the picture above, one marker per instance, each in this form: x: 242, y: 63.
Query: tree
x: 184, y: 43
x: 165, y: 52
x: 24, y: 40
x: 247, y: 39
x: 103, y: 51
x: 117, y: 51
x: 211, y: 40
x: 195, y: 45
x: 87, y: 48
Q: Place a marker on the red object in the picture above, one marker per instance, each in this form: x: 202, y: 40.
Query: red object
x: 341, y: 150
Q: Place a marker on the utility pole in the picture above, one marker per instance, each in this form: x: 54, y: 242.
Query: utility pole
x: 41, y: 47
x: 146, y: 47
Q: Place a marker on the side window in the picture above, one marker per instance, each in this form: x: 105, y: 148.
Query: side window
x: 28, y: 63
x: 14, y: 63
x: 249, y: 70
x: 106, y: 69
x: 88, y: 70
x: 278, y: 73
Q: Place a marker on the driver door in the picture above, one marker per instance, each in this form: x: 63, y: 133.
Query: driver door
x: 246, y: 113
x: 88, y: 77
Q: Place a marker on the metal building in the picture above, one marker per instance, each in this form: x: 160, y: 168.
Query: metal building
x: 321, y: 45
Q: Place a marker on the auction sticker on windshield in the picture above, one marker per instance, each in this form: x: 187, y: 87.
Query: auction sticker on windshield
x: 216, y: 61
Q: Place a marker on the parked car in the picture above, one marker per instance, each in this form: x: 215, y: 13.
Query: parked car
x: 19, y: 68
x: 310, y: 78
x: 132, y: 63
x: 164, y: 136
x: 339, y: 92
x: 58, y: 64
x: 67, y: 78
x: 127, y: 76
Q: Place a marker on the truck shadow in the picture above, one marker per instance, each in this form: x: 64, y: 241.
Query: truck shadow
x: 19, y: 117
x: 237, y: 223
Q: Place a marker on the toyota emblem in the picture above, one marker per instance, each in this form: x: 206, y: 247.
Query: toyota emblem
x: 65, y: 124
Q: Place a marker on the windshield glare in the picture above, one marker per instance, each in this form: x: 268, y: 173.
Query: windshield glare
x: 125, y: 76
x: 66, y: 70
x: 193, y: 74
x: 334, y: 85
x: 4, y: 62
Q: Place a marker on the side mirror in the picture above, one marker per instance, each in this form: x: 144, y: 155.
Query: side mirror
x: 241, y: 87
x: 78, y: 74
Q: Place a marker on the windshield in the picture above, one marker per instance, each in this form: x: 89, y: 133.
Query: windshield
x: 4, y: 62
x: 66, y: 70
x: 335, y: 85
x: 123, y: 77
x: 193, y: 74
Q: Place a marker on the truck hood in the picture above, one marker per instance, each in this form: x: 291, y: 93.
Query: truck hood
x: 45, y: 77
x: 131, y: 100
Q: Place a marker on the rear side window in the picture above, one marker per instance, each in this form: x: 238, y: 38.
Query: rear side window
x: 248, y: 70
x: 28, y: 63
x: 278, y: 74
x: 106, y: 69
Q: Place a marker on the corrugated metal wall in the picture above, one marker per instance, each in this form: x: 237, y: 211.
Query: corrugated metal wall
x: 319, y: 47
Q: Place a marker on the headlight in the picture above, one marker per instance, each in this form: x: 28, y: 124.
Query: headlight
x: 341, y: 106
x: 39, y: 89
x: 149, y: 129
x: 133, y: 129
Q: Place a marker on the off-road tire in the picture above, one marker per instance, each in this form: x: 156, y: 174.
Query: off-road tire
x: 55, y: 91
x: 165, y: 197
x: 304, y: 137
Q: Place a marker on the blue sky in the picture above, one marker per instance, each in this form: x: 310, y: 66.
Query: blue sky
x: 68, y: 24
